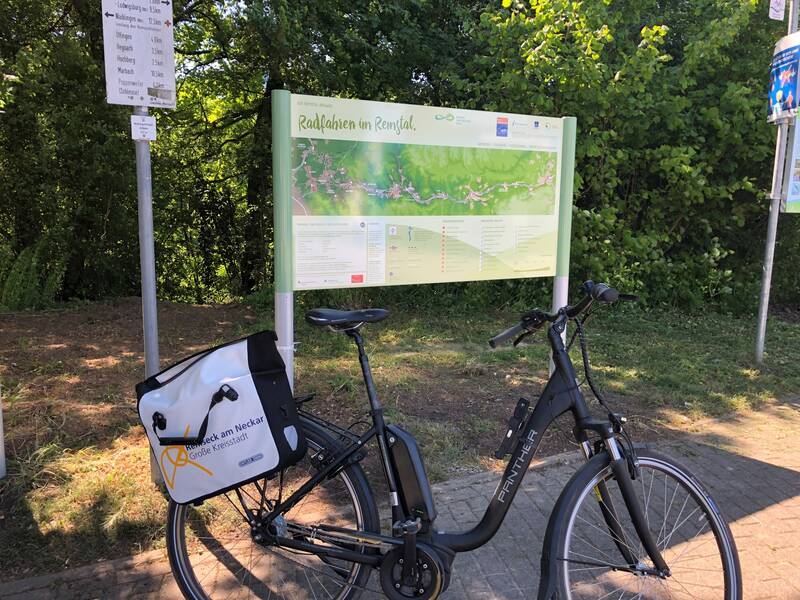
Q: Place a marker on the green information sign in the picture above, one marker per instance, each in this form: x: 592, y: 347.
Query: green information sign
x: 374, y: 193
x: 389, y: 194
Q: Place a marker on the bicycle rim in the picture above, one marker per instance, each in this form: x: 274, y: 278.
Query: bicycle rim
x: 215, y: 555
x: 687, y: 527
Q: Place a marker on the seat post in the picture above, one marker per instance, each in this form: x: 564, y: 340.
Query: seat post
x: 372, y: 393
x: 380, y: 426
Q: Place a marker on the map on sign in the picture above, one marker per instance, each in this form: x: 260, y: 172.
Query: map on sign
x: 139, y: 54
x: 389, y: 194
x: 336, y: 177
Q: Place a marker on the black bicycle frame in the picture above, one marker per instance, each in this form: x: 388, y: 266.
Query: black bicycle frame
x: 560, y: 394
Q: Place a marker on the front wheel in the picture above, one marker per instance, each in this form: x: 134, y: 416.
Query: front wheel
x: 689, y: 530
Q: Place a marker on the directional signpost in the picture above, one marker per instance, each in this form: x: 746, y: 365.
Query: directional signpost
x: 140, y: 72
x: 139, y: 52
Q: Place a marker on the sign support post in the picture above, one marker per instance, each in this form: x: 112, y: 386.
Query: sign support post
x: 282, y: 226
x: 774, y: 209
x: 139, y: 56
x: 561, y: 280
x: 147, y: 262
x: 2, y: 440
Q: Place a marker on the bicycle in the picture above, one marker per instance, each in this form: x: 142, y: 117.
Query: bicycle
x: 631, y: 523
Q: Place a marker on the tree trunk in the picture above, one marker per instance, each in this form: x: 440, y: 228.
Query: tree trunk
x: 256, y: 265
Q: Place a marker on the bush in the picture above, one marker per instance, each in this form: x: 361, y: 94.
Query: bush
x: 31, y: 282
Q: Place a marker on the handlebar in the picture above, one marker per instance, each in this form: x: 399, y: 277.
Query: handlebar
x: 512, y: 332
x: 533, y: 320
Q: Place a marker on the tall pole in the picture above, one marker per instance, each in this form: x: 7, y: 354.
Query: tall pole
x: 781, y: 142
x: 282, y: 206
x: 147, y: 261
x: 2, y: 439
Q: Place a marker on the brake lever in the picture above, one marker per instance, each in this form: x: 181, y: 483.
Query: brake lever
x: 522, y: 337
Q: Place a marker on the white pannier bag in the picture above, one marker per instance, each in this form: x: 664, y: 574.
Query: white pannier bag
x: 221, y: 418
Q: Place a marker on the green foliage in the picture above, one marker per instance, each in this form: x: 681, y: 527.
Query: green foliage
x: 67, y: 195
x: 21, y: 288
x: 673, y: 149
x: 31, y: 281
x: 673, y: 153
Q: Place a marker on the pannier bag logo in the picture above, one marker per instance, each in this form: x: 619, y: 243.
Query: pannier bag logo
x: 178, y: 457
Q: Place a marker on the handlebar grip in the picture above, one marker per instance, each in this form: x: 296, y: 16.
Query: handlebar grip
x: 504, y: 336
x: 604, y: 293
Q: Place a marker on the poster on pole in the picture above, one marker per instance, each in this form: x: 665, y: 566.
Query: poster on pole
x: 139, y: 53
x: 783, y: 78
x: 790, y: 196
x: 777, y: 9
x: 393, y: 194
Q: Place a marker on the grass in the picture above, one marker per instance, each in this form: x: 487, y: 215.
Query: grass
x: 78, y: 486
x: 662, y: 358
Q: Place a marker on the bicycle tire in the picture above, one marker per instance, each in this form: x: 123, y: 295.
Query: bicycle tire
x: 570, y: 566
x: 191, y: 583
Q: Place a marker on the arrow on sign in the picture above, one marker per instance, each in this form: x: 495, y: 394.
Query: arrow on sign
x: 164, y: 1
x: 167, y: 23
x: 108, y: 14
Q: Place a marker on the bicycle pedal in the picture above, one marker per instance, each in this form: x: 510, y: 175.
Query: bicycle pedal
x: 411, y: 526
x: 513, y: 429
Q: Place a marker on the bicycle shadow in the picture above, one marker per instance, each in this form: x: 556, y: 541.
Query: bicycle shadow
x: 755, y: 484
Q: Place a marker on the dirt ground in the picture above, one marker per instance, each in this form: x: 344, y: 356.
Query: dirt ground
x: 78, y: 487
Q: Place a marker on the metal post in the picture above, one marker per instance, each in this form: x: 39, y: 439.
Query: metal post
x: 147, y: 263
x: 282, y: 206
x: 774, y: 210
x: 2, y: 440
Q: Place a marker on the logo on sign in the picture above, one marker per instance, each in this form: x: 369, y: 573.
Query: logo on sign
x: 502, y: 126
x: 357, y: 278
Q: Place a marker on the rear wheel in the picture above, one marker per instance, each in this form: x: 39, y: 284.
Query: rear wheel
x: 691, y: 534
x: 214, y: 553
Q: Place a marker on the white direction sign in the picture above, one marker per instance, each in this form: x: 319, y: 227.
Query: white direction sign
x: 139, y: 52
x: 143, y: 128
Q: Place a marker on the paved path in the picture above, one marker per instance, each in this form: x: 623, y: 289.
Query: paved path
x: 751, y: 464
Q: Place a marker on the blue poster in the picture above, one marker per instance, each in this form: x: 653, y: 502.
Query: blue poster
x: 783, y: 78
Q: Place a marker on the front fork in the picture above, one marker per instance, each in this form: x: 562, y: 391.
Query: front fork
x: 619, y: 467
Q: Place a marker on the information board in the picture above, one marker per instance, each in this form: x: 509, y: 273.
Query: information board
x: 390, y: 194
x: 139, y: 52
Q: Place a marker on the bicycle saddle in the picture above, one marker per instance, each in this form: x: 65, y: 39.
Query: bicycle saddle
x: 345, y: 318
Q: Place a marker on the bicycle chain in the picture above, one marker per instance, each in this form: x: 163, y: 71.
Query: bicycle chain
x: 363, y: 588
